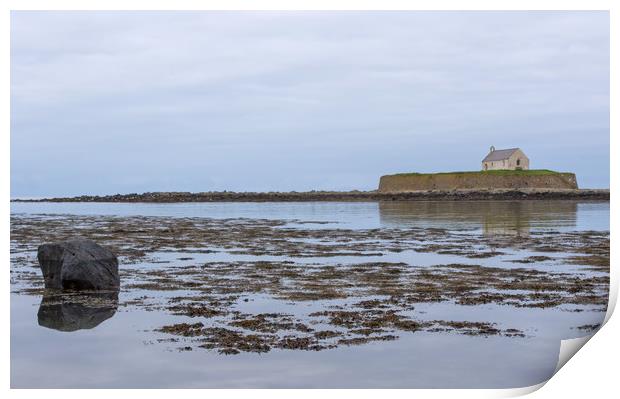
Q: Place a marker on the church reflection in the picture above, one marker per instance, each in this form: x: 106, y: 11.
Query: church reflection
x: 76, y: 311
x: 516, y: 218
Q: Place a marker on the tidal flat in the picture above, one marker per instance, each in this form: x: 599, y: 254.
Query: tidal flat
x: 314, y: 295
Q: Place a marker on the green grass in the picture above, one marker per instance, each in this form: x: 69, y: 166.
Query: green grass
x: 532, y: 172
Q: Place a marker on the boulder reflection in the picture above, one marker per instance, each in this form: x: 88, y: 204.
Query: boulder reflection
x: 515, y: 218
x: 76, y: 311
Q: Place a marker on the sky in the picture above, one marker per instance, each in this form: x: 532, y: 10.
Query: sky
x: 123, y: 102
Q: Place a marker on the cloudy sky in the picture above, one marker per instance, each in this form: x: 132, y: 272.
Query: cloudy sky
x: 107, y: 102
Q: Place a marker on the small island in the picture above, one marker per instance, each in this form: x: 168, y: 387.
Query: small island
x: 500, y: 169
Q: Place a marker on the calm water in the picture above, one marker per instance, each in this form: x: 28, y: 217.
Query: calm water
x: 120, y: 352
x: 478, y: 215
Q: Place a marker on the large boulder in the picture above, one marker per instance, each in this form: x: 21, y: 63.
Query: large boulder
x: 78, y: 265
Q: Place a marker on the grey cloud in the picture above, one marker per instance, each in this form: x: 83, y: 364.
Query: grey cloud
x: 108, y: 102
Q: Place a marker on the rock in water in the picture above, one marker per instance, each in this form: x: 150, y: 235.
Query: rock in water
x: 78, y: 264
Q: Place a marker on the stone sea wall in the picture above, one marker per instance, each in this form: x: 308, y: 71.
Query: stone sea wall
x: 475, y: 181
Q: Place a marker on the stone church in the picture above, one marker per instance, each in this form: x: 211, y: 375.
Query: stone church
x: 510, y: 159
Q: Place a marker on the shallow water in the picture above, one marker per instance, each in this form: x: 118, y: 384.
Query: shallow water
x: 123, y: 350
x: 488, y: 216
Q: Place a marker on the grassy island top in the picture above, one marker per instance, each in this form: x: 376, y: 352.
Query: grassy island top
x: 506, y: 172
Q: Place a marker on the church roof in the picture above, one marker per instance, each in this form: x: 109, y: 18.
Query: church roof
x: 499, y: 155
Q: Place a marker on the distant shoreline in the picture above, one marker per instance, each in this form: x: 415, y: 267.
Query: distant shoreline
x: 310, y: 196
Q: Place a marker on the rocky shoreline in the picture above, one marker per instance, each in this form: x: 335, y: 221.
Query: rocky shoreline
x: 293, y: 196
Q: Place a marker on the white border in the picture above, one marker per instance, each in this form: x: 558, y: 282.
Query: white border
x: 590, y: 374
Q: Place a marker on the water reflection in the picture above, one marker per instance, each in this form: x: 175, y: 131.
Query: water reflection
x: 516, y: 218
x: 77, y: 311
